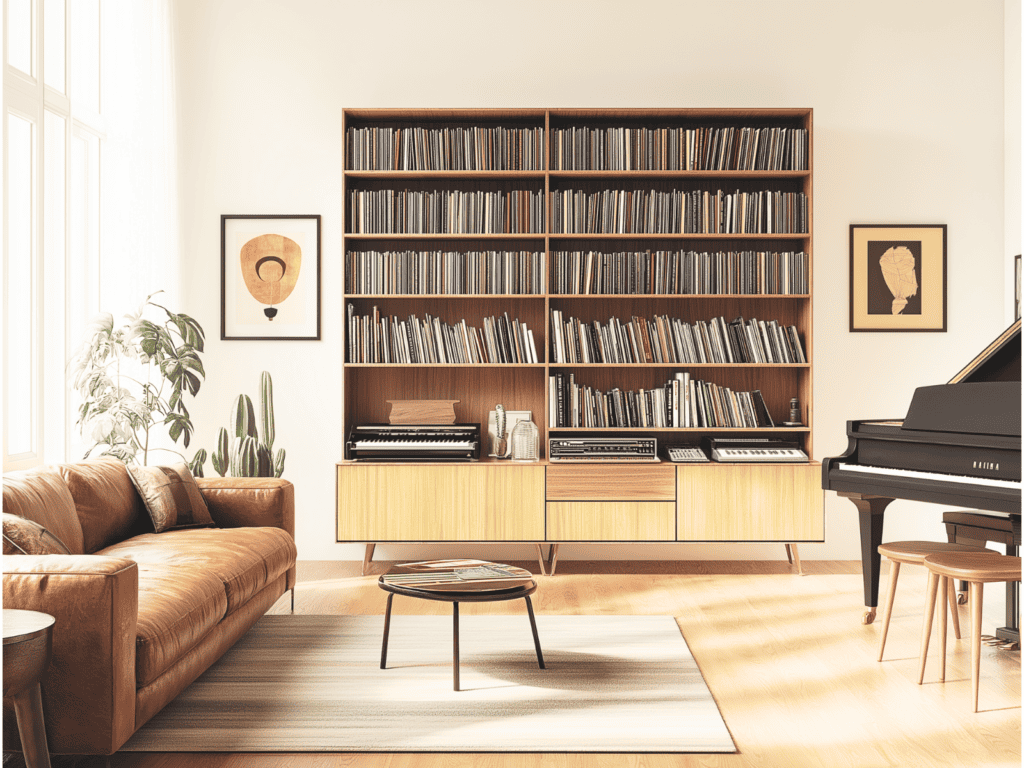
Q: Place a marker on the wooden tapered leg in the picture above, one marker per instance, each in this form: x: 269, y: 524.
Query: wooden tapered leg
x: 976, y: 590
x: 536, y: 637
x: 953, y: 602
x: 890, y: 596
x: 929, y: 613
x: 28, y: 708
x: 455, y: 644
x: 552, y: 559
x: 540, y: 559
x: 793, y: 554
x: 368, y: 557
x: 941, y: 596
x: 387, y: 628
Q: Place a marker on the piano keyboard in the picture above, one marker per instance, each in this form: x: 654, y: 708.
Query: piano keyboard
x: 935, y: 476
x: 759, y: 454
x: 425, y: 445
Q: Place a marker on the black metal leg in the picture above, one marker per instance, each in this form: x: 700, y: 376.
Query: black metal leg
x: 293, y: 599
x: 536, y: 637
x: 455, y: 643
x: 387, y: 627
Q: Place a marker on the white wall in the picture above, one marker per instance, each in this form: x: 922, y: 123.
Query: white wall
x: 909, y: 128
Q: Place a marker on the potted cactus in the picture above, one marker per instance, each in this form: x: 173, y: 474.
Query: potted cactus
x: 243, y: 452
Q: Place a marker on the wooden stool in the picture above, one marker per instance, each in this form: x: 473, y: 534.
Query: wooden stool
x: 976, y: 569
x: 915, y: 552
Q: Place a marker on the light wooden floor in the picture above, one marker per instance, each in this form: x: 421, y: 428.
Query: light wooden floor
x: 792, y: 668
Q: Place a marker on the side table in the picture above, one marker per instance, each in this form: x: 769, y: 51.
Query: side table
x: 437, y: 580
x: 28, y: 648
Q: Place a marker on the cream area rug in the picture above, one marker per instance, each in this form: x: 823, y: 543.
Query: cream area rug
x: 314, y: 684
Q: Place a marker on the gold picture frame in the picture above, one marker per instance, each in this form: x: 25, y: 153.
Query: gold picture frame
x: 898, y: 277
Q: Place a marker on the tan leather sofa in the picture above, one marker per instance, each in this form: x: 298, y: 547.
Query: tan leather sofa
x: 140, y: 615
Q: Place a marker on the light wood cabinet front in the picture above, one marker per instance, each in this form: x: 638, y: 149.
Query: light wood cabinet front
x: 763, y: 502
x: 604, y: 482
x: 611, y: 521
x: 440, y: 502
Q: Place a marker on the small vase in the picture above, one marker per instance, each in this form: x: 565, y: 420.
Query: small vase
x: 525, y: 442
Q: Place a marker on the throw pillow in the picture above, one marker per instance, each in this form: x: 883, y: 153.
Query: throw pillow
x: 26, y: 537
x: 172, y: 497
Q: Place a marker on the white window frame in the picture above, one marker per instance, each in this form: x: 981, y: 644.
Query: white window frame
x: 30, y: 98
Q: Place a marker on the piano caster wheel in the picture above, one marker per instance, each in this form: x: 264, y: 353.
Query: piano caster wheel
x: 961, y: 598
x: 869, y: 616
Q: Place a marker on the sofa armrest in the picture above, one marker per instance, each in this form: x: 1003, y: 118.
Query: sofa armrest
x: 89, y: 690
x: 236, y: 502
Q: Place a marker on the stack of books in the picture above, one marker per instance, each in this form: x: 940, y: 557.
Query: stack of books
x: 672, y: 340
x: 679, y: 272
x: 375, y: 338
x: 681, y: 402
x: 444, y: 272
x: 652, y: 211
x: 445, y: 211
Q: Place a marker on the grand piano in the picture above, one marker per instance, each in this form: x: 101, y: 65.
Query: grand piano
x: 958, y: 446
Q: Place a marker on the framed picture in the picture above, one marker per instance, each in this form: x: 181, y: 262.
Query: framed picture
x: 1016, y: 294
x: 270, y: 277
x: 897, y: 277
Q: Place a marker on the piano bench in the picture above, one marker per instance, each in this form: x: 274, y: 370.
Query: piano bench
x: 977, y: 569
x: 915, y: 552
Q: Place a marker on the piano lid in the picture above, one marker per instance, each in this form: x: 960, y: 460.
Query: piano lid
x: 983, y: 398
x: 999, y: 361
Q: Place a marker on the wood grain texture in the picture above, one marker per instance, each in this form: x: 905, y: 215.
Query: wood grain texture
x: 611, y: 521
x: 440, y: 502
x: 793, y: 670
x: 763, y: 502
x: 582, y: 482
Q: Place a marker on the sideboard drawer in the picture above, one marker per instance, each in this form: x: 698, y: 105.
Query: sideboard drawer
x: 616, y: 482
x: 611, y: 521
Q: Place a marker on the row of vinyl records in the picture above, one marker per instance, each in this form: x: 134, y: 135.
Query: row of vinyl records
x: 708, y: 148
x: 473, y: 148
x: 444, y: 272
x: 376, y: 338
x: 672, y: 340
x: 652, y: 211
x: 681, y: 402
x: 679, y: 272
x: 388, y: 211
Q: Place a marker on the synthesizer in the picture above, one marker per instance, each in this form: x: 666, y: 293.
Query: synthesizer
x: 414, y: 442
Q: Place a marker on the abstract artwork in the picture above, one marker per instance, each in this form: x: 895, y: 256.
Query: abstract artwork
x: 270, y: 277
x: 897, y: 277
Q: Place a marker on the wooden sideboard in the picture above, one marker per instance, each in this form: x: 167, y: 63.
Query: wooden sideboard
x: 552, y: 503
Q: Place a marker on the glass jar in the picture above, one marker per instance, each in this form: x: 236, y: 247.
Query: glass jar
x: 525, y: 441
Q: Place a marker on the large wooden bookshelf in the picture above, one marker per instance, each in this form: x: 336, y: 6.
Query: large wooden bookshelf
x: 428, y: 208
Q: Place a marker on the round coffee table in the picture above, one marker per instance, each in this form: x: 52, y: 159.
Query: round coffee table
x: 28, y: 648
x: 440, y: 580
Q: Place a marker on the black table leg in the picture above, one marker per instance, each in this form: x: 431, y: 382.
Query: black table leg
x: 872, y: 516
x: 387, y: 627
x: 455, y: 643
x: 536, y: 637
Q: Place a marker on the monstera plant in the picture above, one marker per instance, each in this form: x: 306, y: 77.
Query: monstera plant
x: 133, y: 378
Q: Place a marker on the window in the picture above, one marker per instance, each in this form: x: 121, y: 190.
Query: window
x: 53, y: 137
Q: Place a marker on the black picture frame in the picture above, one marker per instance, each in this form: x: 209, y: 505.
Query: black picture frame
x: 898, y: 277
x: 279, y: 246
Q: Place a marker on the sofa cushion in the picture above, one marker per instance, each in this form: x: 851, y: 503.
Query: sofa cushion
x: 42, y: 496
x: 27, y: 537
x: 109, y: 507
x: 178, y: 606
x: 244, y: 559
x: 171, y: 496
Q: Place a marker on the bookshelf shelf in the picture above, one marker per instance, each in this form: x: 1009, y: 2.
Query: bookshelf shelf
x: 502, y: 159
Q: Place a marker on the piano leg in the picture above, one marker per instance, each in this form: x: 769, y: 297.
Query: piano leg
x: 872, y: 515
